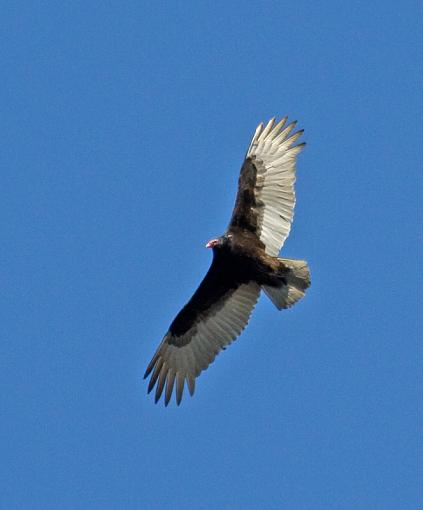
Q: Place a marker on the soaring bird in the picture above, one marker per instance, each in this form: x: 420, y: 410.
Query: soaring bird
x: 245, y: 261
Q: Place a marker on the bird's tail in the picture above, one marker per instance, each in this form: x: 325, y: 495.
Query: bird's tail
x: 294, y: 283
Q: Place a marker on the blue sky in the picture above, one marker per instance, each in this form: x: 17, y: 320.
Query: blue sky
x: 123, y: 128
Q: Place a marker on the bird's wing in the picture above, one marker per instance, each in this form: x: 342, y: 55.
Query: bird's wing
x: 216, y: 314
x: 266, y: 198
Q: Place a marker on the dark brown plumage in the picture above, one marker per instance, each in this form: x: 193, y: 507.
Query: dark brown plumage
x: 244, y: 263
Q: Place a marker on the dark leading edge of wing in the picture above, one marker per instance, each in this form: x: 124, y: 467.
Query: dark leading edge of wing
x: 245, y: 215
x: 215, y: 315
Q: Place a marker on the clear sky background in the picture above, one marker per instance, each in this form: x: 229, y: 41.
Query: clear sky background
x: 123, y: 128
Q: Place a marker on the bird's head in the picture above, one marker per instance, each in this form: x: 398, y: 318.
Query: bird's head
x: 219, y: 241
x: 213, y: 243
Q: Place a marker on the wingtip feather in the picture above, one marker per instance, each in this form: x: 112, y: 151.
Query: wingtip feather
x: 276, y: 129
x: 191, y: 385
x: 150, y: 366
x: 161, y: 383
x: 267, y: 129
x: 180, y: 380
x: 169, y: 386
x: 155, y: 374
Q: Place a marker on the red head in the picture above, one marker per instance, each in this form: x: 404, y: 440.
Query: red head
x: 212, y: 243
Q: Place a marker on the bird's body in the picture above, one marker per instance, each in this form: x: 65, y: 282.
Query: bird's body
x: 236, y: 260
x: 244, y: 263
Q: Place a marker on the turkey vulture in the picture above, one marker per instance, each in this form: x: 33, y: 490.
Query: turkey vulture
x: 245, y: 261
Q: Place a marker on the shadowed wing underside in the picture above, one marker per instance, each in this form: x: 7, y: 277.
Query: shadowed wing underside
x: 266, y: 198
x: 216, y: 314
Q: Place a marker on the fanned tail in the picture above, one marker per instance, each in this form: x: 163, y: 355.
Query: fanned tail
x: 296, y: 281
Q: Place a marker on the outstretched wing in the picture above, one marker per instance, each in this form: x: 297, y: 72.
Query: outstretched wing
x: 266, y: 198
x: 215, y: 315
